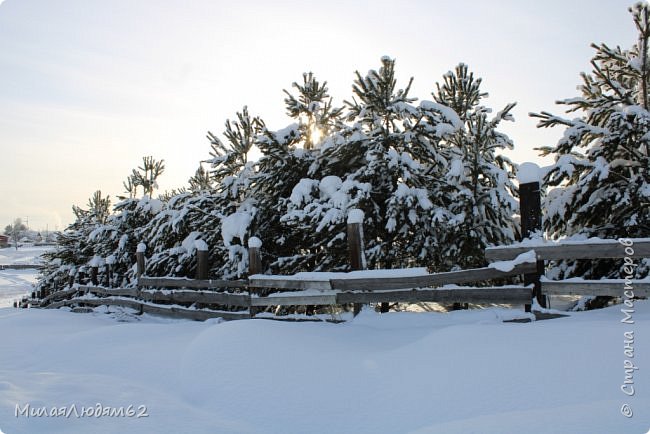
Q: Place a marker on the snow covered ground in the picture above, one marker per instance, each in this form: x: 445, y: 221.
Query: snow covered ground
x: 24, y: 255
x: 459, y: 372
x: 14, y: 284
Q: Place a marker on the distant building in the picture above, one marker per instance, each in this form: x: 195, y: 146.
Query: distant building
x: 4, y: 241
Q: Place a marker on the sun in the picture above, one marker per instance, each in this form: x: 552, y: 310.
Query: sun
x: 315, y: 135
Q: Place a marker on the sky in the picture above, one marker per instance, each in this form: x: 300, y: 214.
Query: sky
x: 89, y: 87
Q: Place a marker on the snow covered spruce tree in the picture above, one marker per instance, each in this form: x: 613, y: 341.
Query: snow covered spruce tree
x: 288, y: 157
x: 114, y: 241
x: 320, y: 120
x: 313, y: 108
x: 74, y: 250
x: 99, y: 236
x: 480, y: 189
x: 601, y: 175
x: 385, y: 162
x: 212, y: 211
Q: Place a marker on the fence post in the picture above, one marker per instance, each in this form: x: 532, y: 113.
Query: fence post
x: 71, y: 275
x: 355, y: 245
x: 254, y: 256
x: 109, y: 261
x: 93, y: 275
x: 109, y: 274
x: 139, y: 257
x: 254, y: 264
x: 201, y: 259
x: 82, y: 275
x: 94, y: 269
x: 530, y: 209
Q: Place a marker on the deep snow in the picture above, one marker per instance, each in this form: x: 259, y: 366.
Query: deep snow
x: 460, y: 372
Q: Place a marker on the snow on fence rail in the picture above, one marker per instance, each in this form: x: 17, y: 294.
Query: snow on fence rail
x: 580, y: 249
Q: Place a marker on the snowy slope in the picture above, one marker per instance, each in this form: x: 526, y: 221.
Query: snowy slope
x: 461, y: 372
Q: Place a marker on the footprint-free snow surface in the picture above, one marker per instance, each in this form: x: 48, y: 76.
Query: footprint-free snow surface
x: 461, y: 372
x: 14, y: 284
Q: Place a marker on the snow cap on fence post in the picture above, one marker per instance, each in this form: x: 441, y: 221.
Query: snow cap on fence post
x: 201, y: 245
x: 142, y: 247
x: 254, y: 242
x: 96, y: 261
x: 355, y: 215
x: 529, y: 172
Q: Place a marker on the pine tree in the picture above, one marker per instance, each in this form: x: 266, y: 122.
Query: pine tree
x: 200, y: 214
x: 384, y: 162
x: 99, y: 236
x: 480, y: 186
x: 601, y: 173
x: 146, y: 176
x: 201, y: 181
x: 75, y: 246
x: 313, y: 108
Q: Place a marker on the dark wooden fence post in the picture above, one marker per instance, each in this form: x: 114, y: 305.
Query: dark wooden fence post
x: 530, y: 209
x: 110, y: 261
x: 109, y: 274
x: 94, y: 269
x: 201, y: 260
x: 254, y: 263
x: 82, y: 275
x: 71, y: 275
x: 356, y: 245
x: 93, y: 275
x: 139, y: 256
x: 254, y: 256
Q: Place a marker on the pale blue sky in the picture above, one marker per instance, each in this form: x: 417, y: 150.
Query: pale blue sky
x: 89, y: 87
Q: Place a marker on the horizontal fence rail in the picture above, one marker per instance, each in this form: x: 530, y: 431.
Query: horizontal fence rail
x: 175, y: 282
x: 19, y: 266
x: 602, y: 249
x: 438, y: 279
x: 169, y: 311
x: 478, y: 295
x: 609, y: 287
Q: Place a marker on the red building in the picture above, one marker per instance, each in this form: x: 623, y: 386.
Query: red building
x: 4, y: 241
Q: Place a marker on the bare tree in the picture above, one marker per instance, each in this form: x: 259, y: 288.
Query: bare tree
x: 15, y: 231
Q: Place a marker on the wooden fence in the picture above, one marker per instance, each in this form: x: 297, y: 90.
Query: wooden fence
x: 240, y: 299
x: 202, y: 298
